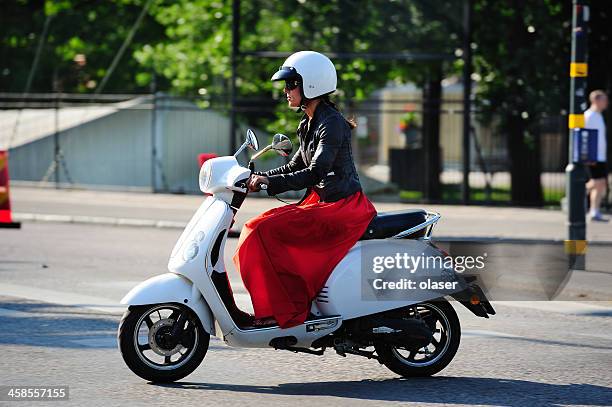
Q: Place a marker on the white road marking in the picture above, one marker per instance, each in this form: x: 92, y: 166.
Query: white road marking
x: 123, y: 285
x: 485, y: 333
x: 87, y: 301
x: 11, y: 313
x: 61, y: 297
x: 560, y: 307
x: 100, y: 342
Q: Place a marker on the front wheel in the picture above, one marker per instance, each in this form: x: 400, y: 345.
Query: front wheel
x: 442, y: 319
x: 152, y: 351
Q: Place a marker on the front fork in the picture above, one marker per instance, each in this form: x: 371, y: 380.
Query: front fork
x: 177, y: 334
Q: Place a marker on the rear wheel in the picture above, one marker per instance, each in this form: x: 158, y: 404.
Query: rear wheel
x: 444, y: 323
x: 149, y: 348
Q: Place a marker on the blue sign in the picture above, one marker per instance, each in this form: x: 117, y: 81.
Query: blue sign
x: 584, y: 145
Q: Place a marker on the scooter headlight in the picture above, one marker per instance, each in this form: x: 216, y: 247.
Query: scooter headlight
x: 191, y: 251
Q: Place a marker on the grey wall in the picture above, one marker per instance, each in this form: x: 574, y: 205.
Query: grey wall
x: 30, y: 162
x: 182, y: 135
x: 116, y: 150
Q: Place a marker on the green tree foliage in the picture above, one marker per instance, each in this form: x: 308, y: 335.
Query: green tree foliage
x: 90, y: 29
x: 186, y: 44
x: 521, y: 63
x: 195, y: 53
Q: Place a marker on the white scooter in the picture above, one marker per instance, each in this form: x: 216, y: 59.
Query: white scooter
x: 164, y: 334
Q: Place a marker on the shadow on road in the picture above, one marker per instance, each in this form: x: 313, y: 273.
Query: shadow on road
x: 31, y: 323
x: 49, y: 325
x: 447, y: 390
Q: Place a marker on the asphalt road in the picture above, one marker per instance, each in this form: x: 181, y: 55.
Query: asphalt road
x: 60, y: 284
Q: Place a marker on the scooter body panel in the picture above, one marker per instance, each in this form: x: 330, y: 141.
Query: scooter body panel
x: 196, y: 256
x: 199, y: 252
x: 304, y: 334
x: 344, y: 290
x: 204, y: 230
x: 172, y: 288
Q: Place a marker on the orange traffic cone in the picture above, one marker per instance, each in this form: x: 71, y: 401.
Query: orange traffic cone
x: 5, y: 203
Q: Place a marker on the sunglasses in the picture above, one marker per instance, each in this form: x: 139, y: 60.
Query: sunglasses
x: 290, y: 85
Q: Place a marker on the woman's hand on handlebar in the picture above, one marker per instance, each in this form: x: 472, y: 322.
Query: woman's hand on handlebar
x: 255, y: 181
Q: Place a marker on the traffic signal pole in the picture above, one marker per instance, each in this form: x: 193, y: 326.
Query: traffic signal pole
x: 575, y: 171
x: 467, y: 98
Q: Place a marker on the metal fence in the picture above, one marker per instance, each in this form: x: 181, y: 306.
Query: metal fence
x: 396, y: 129
x: 151, y: 142
x: 127, y: 142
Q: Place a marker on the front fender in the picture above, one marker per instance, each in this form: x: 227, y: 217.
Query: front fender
x: 170, y: 287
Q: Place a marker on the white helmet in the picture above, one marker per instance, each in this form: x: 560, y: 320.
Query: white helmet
x: 316, y: 72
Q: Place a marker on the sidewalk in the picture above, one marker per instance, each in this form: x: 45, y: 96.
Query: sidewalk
x: 164, y: 210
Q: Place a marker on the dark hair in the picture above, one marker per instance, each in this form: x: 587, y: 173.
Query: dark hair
x: 351, y: 121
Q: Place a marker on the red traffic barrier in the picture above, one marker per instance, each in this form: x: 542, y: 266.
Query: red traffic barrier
x: 6, y: 220
x: 202, y: 158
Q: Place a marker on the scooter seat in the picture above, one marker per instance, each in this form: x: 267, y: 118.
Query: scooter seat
x: 389, y: 224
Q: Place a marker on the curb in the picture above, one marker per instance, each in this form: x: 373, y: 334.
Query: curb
x: 106, y: 221
x: 98, y: 220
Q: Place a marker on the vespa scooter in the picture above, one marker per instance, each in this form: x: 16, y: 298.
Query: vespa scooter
x: 164, y: 334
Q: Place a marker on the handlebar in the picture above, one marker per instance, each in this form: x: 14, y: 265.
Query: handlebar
x: 252, y: 168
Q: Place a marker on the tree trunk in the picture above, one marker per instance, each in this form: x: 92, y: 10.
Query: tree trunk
x: 432, y: 95
x: 524, y: 154
x: 526, y: 188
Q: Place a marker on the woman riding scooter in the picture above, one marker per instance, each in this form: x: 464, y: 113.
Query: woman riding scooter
x: 286, y: 254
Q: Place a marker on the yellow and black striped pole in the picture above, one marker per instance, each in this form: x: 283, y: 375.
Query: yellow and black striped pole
x: 575, y: 171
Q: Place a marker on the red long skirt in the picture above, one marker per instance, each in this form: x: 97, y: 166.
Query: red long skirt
x: 286, y: 254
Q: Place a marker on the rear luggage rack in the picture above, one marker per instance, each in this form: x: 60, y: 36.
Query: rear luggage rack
x: 430, y: 221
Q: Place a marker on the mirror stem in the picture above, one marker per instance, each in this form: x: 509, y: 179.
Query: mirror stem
x: 242, y: 147
x: 260, y: 152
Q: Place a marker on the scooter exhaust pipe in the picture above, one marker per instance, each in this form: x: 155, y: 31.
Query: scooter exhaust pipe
x: 411, y: 333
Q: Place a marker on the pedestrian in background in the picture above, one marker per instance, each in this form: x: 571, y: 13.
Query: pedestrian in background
x: 597, y: 171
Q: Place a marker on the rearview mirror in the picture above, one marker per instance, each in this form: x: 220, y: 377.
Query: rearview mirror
x: 282, y: 144
x: 250, y: 142
x: 251, y: 139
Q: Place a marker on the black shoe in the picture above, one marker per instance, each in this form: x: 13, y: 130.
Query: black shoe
x: 221, y: 282
x: 241, y: 318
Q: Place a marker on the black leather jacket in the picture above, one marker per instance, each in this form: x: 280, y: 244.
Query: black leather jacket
x: 324, y: 161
